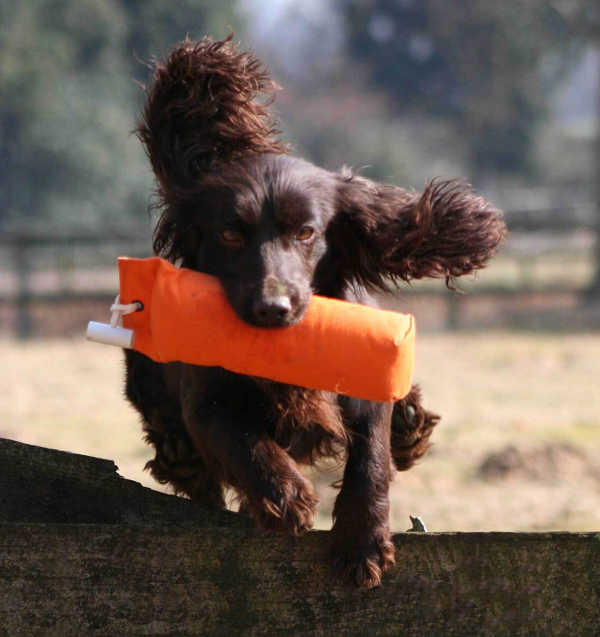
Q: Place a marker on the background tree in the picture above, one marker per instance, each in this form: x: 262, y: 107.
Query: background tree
x: 584, y: 16
x: 484, y: 67
x: 68, y: 102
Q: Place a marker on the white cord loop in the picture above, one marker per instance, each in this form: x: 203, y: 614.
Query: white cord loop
x: 119, y: 310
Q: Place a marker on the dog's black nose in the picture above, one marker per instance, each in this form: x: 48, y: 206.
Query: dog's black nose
x: 273, y: 311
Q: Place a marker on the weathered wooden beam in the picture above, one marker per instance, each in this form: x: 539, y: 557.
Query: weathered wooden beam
x: 46, y: 485
x: 85, y: 552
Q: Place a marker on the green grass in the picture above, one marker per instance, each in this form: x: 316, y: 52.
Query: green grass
x: 492, y: 389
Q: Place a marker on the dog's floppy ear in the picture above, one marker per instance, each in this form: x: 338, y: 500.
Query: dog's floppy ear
x: 208, y: 102
x: 384, y: 233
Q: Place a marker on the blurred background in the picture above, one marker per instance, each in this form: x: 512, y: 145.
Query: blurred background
x: 504, y: 94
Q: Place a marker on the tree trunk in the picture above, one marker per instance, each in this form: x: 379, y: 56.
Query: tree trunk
x: 85, y: 552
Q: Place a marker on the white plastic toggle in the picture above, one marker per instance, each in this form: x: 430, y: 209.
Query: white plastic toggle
x: 112, y: 333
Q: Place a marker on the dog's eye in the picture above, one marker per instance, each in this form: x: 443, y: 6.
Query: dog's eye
x: 305, y: 233
x: 232, y: 238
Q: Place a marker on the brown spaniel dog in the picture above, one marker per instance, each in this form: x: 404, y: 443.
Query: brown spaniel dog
x: 276, y: 229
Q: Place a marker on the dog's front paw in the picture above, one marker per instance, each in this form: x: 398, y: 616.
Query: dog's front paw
x: 288, y: 506
x: 177, y: 463
x: 363, y: 562
x: 412, y: 426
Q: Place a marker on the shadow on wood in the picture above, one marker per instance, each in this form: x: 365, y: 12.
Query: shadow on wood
x: 86, y: 552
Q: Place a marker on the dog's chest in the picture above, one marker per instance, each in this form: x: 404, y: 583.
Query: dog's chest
x: 306, y: 422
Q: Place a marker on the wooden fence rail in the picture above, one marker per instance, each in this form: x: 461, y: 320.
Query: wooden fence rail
x: 20, y: 250
x: 85, y: 552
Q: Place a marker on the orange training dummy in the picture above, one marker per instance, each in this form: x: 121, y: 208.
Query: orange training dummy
x: 338, y: 346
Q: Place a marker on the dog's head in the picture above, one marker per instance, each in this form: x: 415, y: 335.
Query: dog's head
x: 275, y: 229
x: 260, y: 226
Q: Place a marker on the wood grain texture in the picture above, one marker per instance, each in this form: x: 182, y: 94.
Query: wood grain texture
x: 84, y: 552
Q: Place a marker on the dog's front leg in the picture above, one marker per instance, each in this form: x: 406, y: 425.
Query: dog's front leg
x: 232, y: 439
x: 362, y: 548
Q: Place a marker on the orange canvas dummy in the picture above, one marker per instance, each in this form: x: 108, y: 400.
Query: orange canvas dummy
x: 338, y: 346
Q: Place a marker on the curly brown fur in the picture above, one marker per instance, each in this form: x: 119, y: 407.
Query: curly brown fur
x: 275, y: 230
x: 307, y: 423
x: 149, y: 387
x: 362, y: 548
x: 412, y: 426
x: 395, y: 234
x: 208, y: 104
x: 285, y: 503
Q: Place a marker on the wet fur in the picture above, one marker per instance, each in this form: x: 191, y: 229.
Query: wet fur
x: 214, y: 150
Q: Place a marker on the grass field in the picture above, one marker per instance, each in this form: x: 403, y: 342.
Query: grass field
x: 518, y: 447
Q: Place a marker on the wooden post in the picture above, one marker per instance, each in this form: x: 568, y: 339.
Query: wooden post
x: 453, y: 310
x: 593, y: 291
x: 24, y: 322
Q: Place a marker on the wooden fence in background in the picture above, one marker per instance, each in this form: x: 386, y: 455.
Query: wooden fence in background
x: 534, y: 236
x: 26, y: 254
